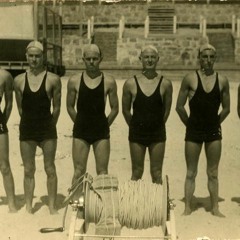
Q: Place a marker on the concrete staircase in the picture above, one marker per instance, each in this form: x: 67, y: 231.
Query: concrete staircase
x: 107, y: 41
x: 224, y: 44
x: 161, y: 18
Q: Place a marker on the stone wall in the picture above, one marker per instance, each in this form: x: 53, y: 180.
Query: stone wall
x: 174, y: 49
x: 237, y: 50
x: 178, y: 50
x: 72, y: 50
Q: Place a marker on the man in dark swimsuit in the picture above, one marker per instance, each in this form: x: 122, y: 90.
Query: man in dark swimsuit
x: 35, y: 91
x: 6, y: 89
x: 89, y: 92
x: 150, y: 97
x: 206, y: 90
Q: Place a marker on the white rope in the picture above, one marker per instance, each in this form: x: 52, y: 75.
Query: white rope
x: 140, y: 205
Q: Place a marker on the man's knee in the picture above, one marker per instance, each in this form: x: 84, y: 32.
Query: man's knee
x: 29, y: 172
x: 5, y: 170
x: 212, y: 174
x: 50, y: 171
x: 191, y: 175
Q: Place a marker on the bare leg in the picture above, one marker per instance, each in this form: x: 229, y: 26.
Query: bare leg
x: 137, y: 152
x: 28, y: 150
x: 192, y: 152
x: 49, y: 150
x: 156, y: 152
x: 102, y: 153
x: 213, y: 154
x: 8, y: 181
x: 80, y: 151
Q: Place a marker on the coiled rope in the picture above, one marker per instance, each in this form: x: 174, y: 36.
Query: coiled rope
x: 139, y: 204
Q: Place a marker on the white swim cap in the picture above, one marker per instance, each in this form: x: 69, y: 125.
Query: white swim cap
x: 91, y: 48
x: 35, y: 44
x: 149, y: 47
x: 207, y: 47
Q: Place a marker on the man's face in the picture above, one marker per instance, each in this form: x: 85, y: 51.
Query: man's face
x: 34, y: 57
x: 149, y: 59
x: 92, y: 60
x: 207, y: 59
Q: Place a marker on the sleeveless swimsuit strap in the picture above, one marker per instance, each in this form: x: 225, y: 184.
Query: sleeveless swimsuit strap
x: 158, y: 86
x: 201, y: 85
x: 42, y: 84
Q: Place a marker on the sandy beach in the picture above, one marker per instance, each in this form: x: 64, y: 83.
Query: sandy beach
x: 22, y: 226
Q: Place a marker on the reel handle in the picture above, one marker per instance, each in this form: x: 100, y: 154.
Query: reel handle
x: 49, y: 230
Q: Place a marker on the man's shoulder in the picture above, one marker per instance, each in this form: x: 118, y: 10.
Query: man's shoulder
x: 4, y: 74
x: 52, y: 76
x: 129, y: 85
x: 109, y: 78
x: 190, y: 77
x: 222, y: 78
x: 130, y: 82
x: 75, y: 77
x: 223, y: 82
x: 19, y: 77
x: 166, y: 82
x: 74, y: 82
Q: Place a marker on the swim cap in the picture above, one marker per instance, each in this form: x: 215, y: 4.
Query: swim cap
x: 207, y: 47
x: 35, y: 44
x: 149, y: 47
x: 91, y: 48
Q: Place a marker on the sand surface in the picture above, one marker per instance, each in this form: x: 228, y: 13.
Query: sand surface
x: 22, y: 226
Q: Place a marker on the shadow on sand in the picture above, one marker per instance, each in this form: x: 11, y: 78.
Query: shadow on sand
x: 236, y: 199
x: 20, y: 202
x: 202, y: 202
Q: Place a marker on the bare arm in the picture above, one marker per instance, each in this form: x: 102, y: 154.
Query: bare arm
x: 18, y: 93
x: 57, y: 88
x: 167, y: 99
x: 127, y: 102
x: 113, y: 101
x: 71, y: 99
x: 8, y: 96
x: 181, y: 101
x: 225, y: 100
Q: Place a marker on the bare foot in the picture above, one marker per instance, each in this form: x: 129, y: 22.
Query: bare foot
x: 217, y: 213
x: 29, y: 210
x: 12, y: 209
x: 187, y: 211
x: 53, y: 211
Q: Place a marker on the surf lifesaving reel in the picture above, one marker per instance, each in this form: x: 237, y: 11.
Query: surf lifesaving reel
x: 113, y: 207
